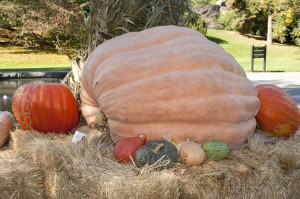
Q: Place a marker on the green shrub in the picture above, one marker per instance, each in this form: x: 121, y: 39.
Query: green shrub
x: 287, y: 28
x: 203, y: 2
x: 194, y: 21
x: 227, y: 18
x: 295, y: 34
x: 240, y: 24
x: 280, y: 30
x: 10, y: 16
x: 62, y: 38
x: 244, y: 22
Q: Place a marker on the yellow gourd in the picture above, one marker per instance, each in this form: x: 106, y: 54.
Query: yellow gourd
x: 191, y: 153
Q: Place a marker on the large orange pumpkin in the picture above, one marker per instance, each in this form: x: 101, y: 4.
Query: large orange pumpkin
x: 168, y: 80
x: 47, y: 107
x: 278, y: 114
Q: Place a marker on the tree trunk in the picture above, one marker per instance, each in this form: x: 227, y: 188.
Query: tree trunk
x: 269, y: 34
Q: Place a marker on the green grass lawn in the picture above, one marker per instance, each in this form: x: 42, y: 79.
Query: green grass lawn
x: 280, y: 57
x: 20, y: 58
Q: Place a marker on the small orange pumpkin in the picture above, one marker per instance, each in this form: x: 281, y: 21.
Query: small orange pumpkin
x: 47, y: 107
x: 278, y: 114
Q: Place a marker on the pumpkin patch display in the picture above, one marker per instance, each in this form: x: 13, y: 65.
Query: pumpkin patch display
x: 126, y: 148
x: 47, y: 107
x: 6, y: 125
x: 156, y: 150
x: 171, y: 80
x: 278, y: 115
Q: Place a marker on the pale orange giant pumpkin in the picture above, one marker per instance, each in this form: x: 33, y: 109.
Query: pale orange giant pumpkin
x: 168, y: 80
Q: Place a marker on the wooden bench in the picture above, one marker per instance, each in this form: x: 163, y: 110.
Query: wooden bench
x: 258, y: 52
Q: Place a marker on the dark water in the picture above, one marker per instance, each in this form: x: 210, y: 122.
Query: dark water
x: 8, y: 87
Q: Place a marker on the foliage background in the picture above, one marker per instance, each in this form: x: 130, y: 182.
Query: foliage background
x: 251, y: 16
x: 62, y: 23
x: 41, y: 22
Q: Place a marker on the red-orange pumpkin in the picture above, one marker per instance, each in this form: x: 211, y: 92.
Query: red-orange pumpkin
x: 169, y: 80
x: 278, y: 114
x: 48, y: 107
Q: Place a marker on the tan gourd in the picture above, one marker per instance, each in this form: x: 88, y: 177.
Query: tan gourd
x: 191, y: 153
x: 168, y: 80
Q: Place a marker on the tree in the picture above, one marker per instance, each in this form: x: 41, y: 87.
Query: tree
x: 286, y: 20
x: 269, y: 32
x: 56, y: 22
x: 282, y: 17
x: 267, y: 7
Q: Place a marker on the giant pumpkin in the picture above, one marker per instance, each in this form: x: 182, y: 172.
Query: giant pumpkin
x: 278, y: 114
x: 47, y: 107
x: 168, y: 80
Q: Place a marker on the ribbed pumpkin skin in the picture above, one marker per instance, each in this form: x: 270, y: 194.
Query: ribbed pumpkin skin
x: 278, y: 114
x: 47, y: 107
x: 6, y: 125
x: 169, y: 80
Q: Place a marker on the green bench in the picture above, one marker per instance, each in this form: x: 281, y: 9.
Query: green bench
x: 258, y: 52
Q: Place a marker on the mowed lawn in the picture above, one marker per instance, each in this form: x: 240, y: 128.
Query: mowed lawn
x: 20, y: 58
x: 280, y: 57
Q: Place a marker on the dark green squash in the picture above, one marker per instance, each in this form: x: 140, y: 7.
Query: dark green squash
x: 156, y: 150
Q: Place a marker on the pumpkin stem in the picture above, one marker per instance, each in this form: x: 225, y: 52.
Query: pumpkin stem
x: 159, y: 147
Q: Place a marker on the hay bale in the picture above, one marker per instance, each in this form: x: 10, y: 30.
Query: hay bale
x: 258, y: 169
x: 51, y: 152
x: 242, y: 175
x: 89, y: 171
x: 145, y: 183
x: 293, y: 183
x: 19, y: 177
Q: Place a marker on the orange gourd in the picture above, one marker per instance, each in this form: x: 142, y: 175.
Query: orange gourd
x: 278, y: 114
x: 168, y: 80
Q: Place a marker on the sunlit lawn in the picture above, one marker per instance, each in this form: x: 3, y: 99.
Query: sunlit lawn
x: 19, y: 58
x: 280, y: 57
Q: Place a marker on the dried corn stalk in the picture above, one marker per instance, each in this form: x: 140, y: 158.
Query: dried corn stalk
x: 110, y: 18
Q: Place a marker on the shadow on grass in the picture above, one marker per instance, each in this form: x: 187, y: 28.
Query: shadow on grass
x: 27, y: 51
x: 257, y: 37
x: 46, y: 49
x: 273, y: 71
x: 36, y: 51
x: 35, y: 69
x: 216, y: 40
